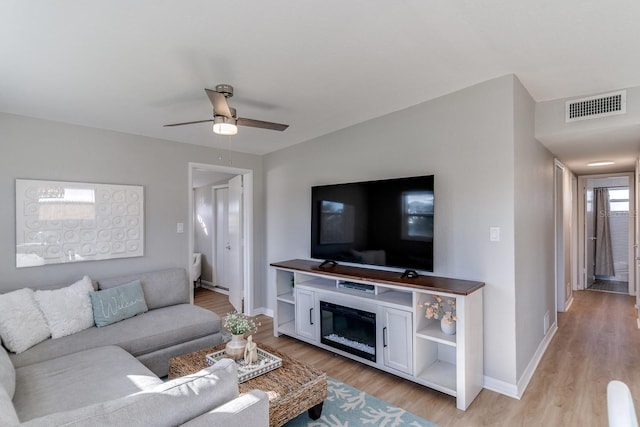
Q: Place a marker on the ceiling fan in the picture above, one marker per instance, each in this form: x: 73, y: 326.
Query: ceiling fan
x: 225, y: 119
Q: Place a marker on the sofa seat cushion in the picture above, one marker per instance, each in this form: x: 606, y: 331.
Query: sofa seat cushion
x: 145, y: 333
x: 8, y: 416
x: 78, y: 380
x: 169, y: 404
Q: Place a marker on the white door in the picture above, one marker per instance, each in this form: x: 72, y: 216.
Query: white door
x: 221, y: 237
x: 590, y: 234
x: 305, y: 316
x: 636, y: 203
x: 397, y: 345
x: 234, y: 246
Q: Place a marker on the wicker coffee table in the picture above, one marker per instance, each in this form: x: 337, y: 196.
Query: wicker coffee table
x: 292, y: 388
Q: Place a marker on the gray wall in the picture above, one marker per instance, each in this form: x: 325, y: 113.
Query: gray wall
x: 466, y: 139
x: 39, y: 149
x: 534, y: 231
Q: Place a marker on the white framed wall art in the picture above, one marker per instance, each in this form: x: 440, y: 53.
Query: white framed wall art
x: 61, y: 222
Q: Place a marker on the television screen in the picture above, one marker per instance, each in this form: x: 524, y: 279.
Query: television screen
x: 385, y: 223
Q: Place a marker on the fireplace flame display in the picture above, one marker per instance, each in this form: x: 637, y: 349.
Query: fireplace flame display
x: 348, y: 329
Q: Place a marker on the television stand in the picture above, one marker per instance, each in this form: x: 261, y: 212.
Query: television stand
x: 407, y: 344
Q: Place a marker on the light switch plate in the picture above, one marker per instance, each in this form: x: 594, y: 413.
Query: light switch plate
x: 180, y: 227
x: 494, y: 234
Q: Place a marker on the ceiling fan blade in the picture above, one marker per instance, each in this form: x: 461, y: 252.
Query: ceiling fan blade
x: 188, y: 123
x: 219, y: 102
x: 261, y: 124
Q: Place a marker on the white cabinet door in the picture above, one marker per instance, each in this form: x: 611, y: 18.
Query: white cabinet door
x: 306, y: 314
x: 397, y: 343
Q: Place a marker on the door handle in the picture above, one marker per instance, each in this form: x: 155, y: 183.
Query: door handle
x: 384, y: 337
x: 311, y: 316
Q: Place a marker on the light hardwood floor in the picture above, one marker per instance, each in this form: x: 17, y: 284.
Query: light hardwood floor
x: 597, y: 341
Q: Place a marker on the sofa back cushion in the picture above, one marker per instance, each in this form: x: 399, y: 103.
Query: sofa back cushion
x: 118, y: 303
x: 7, y: 374
x: 67, y: 310
x: 22, y: 324
x: 169, y: 404
x: 161, y: 288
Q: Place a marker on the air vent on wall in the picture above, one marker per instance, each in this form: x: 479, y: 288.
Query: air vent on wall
x: 608, y: 104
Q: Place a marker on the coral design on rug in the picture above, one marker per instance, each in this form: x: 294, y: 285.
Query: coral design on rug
x: 347, y: 406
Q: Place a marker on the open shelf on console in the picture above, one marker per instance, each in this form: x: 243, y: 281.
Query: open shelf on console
x: 432, y: 331
x: 287, y: 297
x: 440, y: 376
x: 288, y: 328
x: 314, y: 281
x: 436, y: 365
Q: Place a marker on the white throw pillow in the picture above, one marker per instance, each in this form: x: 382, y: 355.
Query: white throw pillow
x: 67, y: 310
x: 22, y: 324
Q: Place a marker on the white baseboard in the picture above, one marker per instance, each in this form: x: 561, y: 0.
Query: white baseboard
x: 517, y: 390
x: 263, y: 310
x: 567, y: 306
x: 218, y: 290
x: 502, y: 387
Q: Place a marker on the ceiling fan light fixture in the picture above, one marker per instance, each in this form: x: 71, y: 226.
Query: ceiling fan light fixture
x: 224, y: 125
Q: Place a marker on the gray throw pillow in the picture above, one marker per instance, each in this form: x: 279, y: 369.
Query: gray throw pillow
x: 119, y: 303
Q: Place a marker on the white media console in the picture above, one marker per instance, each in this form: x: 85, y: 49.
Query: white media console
x: 403, y: 341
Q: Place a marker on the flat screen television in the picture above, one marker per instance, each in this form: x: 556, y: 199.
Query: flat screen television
x: 384, y: 223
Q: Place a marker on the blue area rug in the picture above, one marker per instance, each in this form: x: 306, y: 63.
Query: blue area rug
x: 347, y: 406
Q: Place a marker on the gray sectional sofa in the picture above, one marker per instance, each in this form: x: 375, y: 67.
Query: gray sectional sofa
x: 111, y: 375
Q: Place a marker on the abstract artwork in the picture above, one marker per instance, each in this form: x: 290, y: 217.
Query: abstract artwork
x: 60, y: 222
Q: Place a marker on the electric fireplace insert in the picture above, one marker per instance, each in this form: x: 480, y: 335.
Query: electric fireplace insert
x: 348, y: 329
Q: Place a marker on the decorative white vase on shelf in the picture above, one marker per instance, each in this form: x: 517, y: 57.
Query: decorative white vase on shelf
x: 448, y: 328
x: 235, y: 347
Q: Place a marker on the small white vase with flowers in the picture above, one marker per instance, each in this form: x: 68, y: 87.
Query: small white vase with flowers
x: 238, y: 325
x: 443, y: 309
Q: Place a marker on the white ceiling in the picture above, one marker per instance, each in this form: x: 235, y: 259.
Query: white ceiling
x: 133, y: 66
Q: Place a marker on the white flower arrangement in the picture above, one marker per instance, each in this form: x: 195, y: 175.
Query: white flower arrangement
x: 439, y: 309
x: 239, y: 324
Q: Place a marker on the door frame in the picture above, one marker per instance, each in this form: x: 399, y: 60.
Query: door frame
x: 558, y: 225
x: 247, y: 224
x: 582, y: 224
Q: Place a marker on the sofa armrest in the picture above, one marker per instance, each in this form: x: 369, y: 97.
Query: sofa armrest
x: 250, y: 409
x: 168, y: 404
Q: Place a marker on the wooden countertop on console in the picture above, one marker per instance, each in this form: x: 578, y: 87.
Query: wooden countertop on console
x: 427, y: 283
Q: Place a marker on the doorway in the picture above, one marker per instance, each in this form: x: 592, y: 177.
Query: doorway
x: 608, y: 237
x: 220, y: 203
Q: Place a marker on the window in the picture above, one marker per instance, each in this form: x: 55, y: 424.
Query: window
x: 619, y: 199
